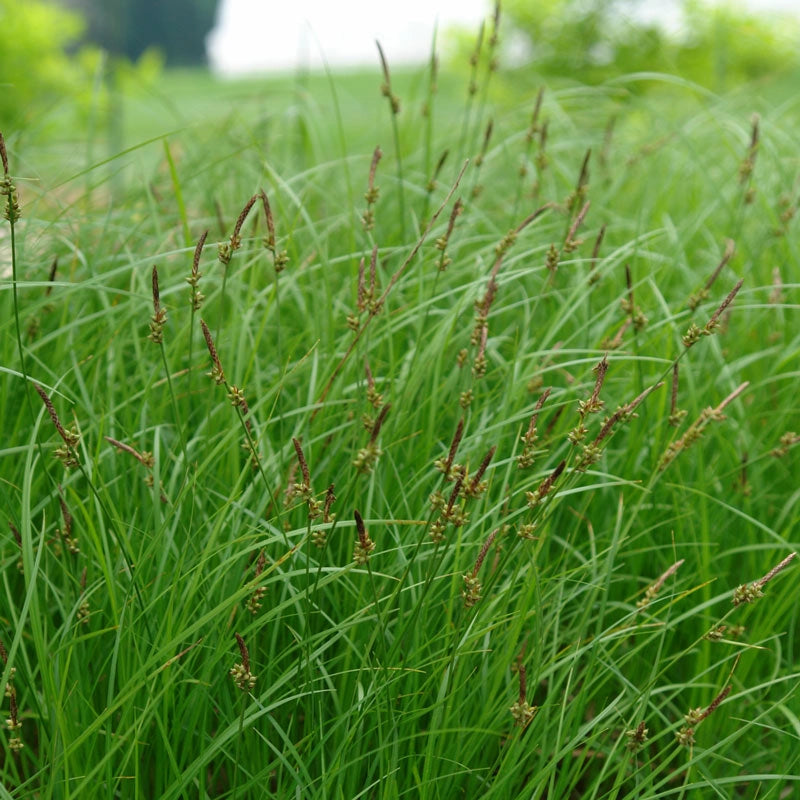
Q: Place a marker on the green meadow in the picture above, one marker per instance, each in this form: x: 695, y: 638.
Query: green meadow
x: 458, y: 467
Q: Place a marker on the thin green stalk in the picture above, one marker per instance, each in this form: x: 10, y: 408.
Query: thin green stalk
x: 394, y: 110
x: 234, y: 779
x: 17, y: 326
x: 491, y: 64
x: 123, y: 545
x: 178, y: 425
x: 11, y: 206
x: 472, y: 89
x: 176, y: 186
x: 23, y: 367
x: 378, y: 613
x: 432, y: 72
x: 259, y: 466
x: 221, y: 314
x: 305, y: 663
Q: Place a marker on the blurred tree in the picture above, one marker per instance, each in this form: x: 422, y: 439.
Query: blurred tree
x: 42, y: 65
x: 129, y: 27
x: 34, y: 67
x: 730, y: 44
x: 719, y: 43
x: 584, y: 37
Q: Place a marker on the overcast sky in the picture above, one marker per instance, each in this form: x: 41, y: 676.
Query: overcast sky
x: 254, y: 35
x: 258, y: 35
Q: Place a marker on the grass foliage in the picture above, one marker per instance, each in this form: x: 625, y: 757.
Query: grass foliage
x: 384, y: 660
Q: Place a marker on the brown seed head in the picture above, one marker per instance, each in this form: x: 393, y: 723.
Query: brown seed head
x: 658, y: 584
x: 65, y: 513
x: 597, y: 242
x: 547, y: 484
x: 364, y: 545
x: 523, y: 681
x: 730, y: 248
x: 3, y: 154
x: 384, y: 65
x: 475, y: 482
x: 144, y: 458
x: 15, y: 534
x: 69, y: 439
x: 522, y: 711
x: 14, y: 710
x: 530, y: 437
x: 52, y: 276
x: 156, y: 295
x: 237, y: 228
x: 438, y: 168
x: 376, y: 428
x: 487, y: 135
x: 483, y: 551
x: 219, y: 374
x: 536, y: 109
x: 637, y: 737
x: 454, y: 495
x: 360, y: 528
x: 600, y: 369
x: 538, y: 407
x: 301, y: 459
x: 330, y: 498
x: 376, y: 157
x: 476, y: 53
x: 458, y: 207
x: 674, y: 400
x: 583, y: 178
x: 714, y: 704
x: 270, y: 240
x: 244, y: 652
x: 454, y: 446
x: 373, y: 263
x: 543, y: 140
x: 754, y: 132
x: 570, y: 242
x: 712, y: 323
x: 776, y: 569
x: 198, y: 250
x: 361, y: 300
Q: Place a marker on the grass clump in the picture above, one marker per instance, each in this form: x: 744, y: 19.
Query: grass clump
x: 531, y: 570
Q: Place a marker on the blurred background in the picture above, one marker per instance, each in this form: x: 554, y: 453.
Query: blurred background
x: 251, y: 35
x: 67, y: 49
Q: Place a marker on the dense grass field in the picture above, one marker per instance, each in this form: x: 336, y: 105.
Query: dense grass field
x: 456, y: 469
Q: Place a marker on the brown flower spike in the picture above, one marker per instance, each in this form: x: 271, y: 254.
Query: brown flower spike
x: 364, y: 545
x: 227, y: 249
x: 66, y: 454
x: 748, y: 594
x: 472, y: 586
x: 445, y: 465
x: 216, y: 374
x: 534, y: 498
x: 522, y: 711
x: 159, y: 318
x: 240, y: 673
x: 193, y: 280
x: 654, y: 588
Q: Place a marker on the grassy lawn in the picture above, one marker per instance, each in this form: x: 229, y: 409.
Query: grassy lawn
x: 473, y: 504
